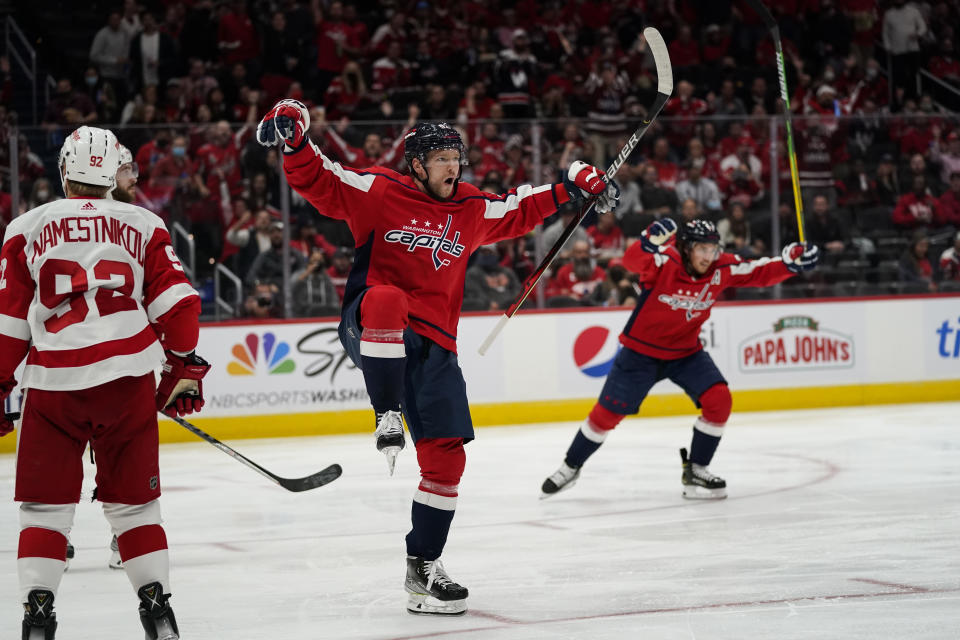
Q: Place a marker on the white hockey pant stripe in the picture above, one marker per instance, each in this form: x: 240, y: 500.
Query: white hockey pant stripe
x: 709, y: 428
x: 592, y: 433
x: 446, y: 503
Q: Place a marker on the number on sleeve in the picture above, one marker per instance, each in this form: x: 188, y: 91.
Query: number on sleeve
x: 174, y: 260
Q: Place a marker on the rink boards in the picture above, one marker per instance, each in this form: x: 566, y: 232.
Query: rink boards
x: 293, y: 378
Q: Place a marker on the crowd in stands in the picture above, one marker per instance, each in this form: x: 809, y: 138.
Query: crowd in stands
x: 184, y: 83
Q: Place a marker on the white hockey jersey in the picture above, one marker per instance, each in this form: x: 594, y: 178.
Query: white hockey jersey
x: 81, y: 281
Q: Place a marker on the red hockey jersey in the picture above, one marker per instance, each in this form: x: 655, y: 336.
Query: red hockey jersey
x: 674, y: 305
x: 81, y: 281
x: 406, y: 239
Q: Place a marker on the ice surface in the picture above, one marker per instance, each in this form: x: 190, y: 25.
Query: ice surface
x: 841, y: 523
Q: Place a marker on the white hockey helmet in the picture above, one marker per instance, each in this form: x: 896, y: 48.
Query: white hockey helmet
x: 125, y: 156
x: 89, y: 155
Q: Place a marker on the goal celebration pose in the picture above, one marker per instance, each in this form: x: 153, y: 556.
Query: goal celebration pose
x: 680, y: 282
x: 414, y: 234
x: 81, y: 282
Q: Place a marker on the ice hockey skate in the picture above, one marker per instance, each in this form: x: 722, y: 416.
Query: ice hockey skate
x: 561, y: 480
x: 389, y: 435
x: 155, y: 613
x: 71, y: 552
x: 115, y: 562
x: 39, y: 620
x: 699, y: 483
x: 431, y: 591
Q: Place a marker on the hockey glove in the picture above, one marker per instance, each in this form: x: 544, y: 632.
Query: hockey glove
x: 288, y: 121
x: 657, y: 234
x: 583, y: 181
x: 6, y: 419
x: 180, y: 390
x: 799, y: 257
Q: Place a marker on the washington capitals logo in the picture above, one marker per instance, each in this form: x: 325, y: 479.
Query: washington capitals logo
x: 686, y: 301
x: 435, y: 239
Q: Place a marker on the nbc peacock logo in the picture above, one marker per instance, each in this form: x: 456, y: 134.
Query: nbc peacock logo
x: 273, y: 354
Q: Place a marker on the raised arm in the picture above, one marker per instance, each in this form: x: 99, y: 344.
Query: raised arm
x: 334, y: 190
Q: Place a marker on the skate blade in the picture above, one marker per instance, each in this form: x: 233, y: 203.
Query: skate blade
x: 425, y: 605
x: 695, y: 492
x: 544, y: 495
x: 391, y: 454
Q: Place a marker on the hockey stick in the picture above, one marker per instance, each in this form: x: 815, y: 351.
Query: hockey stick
x: 771, y: 24
x: 661, y: 58
x: 312, y: 481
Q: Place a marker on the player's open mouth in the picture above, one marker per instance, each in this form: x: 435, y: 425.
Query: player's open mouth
x: 448, y: 181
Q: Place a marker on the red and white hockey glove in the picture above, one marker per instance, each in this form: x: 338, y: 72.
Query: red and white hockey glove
x: 799, y: 257
x: 657, y: 234
x: 6, y: 419
x: 288, y: 121
x: 180, y: 390
x: 586, y: 181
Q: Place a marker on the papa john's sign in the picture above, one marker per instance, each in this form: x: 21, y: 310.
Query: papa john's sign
x: 795, y: 343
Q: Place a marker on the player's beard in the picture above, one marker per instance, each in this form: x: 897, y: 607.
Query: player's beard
x: 122, y: 195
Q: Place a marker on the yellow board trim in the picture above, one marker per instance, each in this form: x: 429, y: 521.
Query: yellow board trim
x: 361, y: 421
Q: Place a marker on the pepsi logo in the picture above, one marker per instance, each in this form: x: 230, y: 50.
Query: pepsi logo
x: 594, y: 351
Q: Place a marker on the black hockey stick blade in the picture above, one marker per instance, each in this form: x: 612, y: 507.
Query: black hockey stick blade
x: 314, y: 480
x: 764, y: 14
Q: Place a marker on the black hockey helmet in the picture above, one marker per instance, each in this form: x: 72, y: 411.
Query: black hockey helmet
x: 697, y: 231
x: 426, y: 137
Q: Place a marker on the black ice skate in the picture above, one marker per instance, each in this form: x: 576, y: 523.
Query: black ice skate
x: 561, y: 480
x: 389, y: 435
x: 431, y: 591
x: 115, y: 562
x: 699, y: 483
x: 39, y: 620
x: 156, y: 616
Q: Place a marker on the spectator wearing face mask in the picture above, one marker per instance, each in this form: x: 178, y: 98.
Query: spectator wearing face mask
x: 41, y: 193
x: 489, y: 285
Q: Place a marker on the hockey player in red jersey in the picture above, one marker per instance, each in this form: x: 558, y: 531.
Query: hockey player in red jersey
x: 414, y: 234
x: 81, y: 281
x: 680, y: 283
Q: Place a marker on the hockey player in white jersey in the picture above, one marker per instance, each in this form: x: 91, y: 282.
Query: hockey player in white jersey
x: 82, y: 281
x: 127, y: 175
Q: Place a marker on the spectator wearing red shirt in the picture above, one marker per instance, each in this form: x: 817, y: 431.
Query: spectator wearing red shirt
x: 219, y: 160
x: 237, y: 38
x: 874, y: 86
x: 393, y: 31
x: 948, y: 207
x: 578, y: 278
x: 686, y: 108
x: 308, y: 239
x: 150, y: 153
x: 945, y: 66
x: 684, y: 50
x: 950, y: 261
x: 334, y: 42
x: 175, y: 174
x: 668, y: 172
x: 391, y: 71
x: 607, y: 237
x: 339, y: 270
x: 716, y: 45
x: 346, y: 92
x: 917, y: 208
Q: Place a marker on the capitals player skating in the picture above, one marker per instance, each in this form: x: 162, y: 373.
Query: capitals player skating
x: 81, y: 281
x: 680, y: 283
x: 414, y: 234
